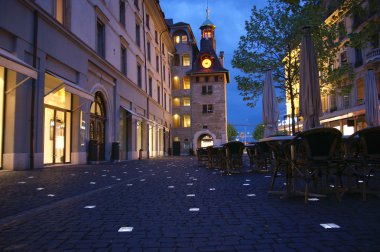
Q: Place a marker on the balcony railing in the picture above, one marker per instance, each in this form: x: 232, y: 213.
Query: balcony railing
x: 373, y: 55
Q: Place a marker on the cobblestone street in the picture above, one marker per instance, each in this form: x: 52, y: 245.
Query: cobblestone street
x: 173, y: 204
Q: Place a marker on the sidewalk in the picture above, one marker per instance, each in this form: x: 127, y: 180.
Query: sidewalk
x: 228, y: 213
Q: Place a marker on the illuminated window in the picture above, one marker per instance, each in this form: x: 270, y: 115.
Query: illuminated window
x: 359, y: 91
x: 186, y: 60
x: 176, y: 121
x: 186, y: 121
x: 186, y: 82
x: 177, y: 39
x: 186, y: 101
x: 180, y: 39
x: 59, y: 10
x: 176, y: 102
x: 175, y: 82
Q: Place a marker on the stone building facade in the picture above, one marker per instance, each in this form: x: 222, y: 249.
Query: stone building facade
x: 199, y: 102
x: 83, y: 81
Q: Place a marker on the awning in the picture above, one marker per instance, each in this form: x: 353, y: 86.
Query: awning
x: 73, y: 88
x: 10, y: 61
x: 143, y: 117
x: 132, y: 112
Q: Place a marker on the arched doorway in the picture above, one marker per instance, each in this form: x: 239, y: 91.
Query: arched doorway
x: 205, y: 140
x: 97, y: 128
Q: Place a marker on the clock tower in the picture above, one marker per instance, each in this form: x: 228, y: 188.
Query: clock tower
x: 208, y: 91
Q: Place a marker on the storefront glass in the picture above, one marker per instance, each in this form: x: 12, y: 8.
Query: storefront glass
x: 138, y: 135
x: 57, y: 122
x: 2, y: 72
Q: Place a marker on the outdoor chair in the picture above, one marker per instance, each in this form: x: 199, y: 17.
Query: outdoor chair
x: 315, y: 156
x: 259, y: 156
x: 362, y: 154
x: 215, y: 157
x: 202, y: 156
x: 281, y: 160
x: 234, y: 156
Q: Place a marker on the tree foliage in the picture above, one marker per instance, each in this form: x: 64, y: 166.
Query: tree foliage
x: 258, y: 132
x: 272, y: 40
x: 231, y: 132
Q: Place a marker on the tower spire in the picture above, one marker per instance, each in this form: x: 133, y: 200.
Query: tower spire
x: 207, y: 12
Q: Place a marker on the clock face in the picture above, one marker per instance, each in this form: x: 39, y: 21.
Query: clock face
x: 206, y: 63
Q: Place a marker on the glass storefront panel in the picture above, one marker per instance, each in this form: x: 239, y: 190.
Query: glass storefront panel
x: 59, y: 137
x: 138, y: 135
x: 123, y: 134
x: 57, y: 122
x: 2, y: 72
x: 49, y: 136
x: 68, y: 138
x: 150, y: 140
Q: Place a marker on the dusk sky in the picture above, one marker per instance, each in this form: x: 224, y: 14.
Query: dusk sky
x: 229, y: 17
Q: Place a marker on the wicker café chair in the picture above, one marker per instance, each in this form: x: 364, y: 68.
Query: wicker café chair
x: 202, y: 156
x: 315, y: 151
x: 259, y: 156
x: 234, y: 156
x: 362, y: 154
x: 281, y: 160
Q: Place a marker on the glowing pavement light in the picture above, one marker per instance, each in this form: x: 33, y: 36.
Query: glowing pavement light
x: 251, y: 195
x: 129, y: 184
x: 189, y: 184
x: 30, y: 177
x: 267, y: 176
x: 170, y: 186
x: 313, y: 199
x: 90, y: 206
x: 247, y: 180
x: 85, y: 172
x: 190, y: 195
x: 329, y: 225
x: 125, y: 229
x: 92, y: 183
x: 21, y: 182
x: 212, y: 189
x: 246, y: 184
x: 168, y: 177
x: 194, y: 209
x: 142, y: 180
x: 40, y: 188
x: 51, y: 195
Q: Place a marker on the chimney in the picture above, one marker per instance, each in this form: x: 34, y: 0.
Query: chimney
x: 221, y: 57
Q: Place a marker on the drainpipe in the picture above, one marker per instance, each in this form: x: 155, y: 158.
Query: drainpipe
x: 32, y: 107
x: 162, y: 79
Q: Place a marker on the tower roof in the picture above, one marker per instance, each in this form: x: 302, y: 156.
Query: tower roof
x: 207, y: 22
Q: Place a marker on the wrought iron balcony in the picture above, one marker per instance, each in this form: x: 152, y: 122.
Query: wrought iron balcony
x: 373, y: 55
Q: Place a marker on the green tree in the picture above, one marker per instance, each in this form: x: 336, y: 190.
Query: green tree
x: 231, y: 132
x: 258, y: 132
x: 272, y: 40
